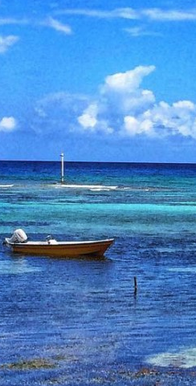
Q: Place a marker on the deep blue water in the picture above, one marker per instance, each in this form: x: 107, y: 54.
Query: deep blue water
x: 81, y: 320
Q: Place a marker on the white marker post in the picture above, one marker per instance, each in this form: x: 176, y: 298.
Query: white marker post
x: 62, y: 168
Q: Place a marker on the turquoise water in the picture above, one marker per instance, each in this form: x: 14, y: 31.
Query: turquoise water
x: 80, y: 321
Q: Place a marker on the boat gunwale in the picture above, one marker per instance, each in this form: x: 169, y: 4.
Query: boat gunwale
x: 61, y: 243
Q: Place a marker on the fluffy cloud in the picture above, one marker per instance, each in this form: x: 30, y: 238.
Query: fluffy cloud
x: 128, y: 81
x: 6, y: 42
x: 120, y: 100
x: 89, y: 117
x: 89, y: 120
x: 176, y: 119
x: 133, y: 126
x: 8, y: 124
x: 121, y: 108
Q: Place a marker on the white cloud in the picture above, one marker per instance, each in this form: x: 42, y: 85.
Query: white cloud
x: 140, y: 31
x: 89, y: 120
x: 129, y: 110
x: 89, y: 117
x: 122, y: 107
x: 10, y: 21
x: 151, y: 14
x: 184, y: 105
x: 164, y: 120
x: 6, y: 42
x: 128, y: 81
x: 125, y: 13
x: 58, y: 26
x: 49, y: 22
x: 133, y: 126
x: 8, y: 124
x: 59, y: 112
x: 170, y: 15
x: 120, y: 97
x: 136, y: 31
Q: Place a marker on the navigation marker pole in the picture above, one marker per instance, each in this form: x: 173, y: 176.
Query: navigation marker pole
x: 62, y: 168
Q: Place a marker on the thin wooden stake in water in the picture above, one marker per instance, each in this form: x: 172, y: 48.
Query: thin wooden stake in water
x: 62, y: 168
x: 135, y: 285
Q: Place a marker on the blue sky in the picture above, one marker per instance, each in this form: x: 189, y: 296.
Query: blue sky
x: 100, y: 81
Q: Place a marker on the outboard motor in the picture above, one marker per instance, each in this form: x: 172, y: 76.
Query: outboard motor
x: 19, y: 236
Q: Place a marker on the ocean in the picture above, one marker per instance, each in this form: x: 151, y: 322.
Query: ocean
x: 81, y: 321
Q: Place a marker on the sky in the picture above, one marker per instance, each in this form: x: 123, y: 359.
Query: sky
x: 111, y: 81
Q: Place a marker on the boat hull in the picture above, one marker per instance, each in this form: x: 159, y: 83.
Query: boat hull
x: 63, y: 249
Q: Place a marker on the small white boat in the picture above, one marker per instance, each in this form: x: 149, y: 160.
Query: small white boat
x: 19, y: 244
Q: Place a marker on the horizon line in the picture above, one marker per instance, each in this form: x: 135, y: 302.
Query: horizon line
x: 105, y: 162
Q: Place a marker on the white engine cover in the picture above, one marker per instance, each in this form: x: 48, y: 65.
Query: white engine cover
x: 19, y: 236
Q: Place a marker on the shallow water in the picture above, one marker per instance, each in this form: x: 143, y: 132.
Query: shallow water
x: 80, y: 322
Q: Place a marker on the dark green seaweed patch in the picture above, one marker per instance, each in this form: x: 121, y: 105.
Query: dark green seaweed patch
x: 31, y: 364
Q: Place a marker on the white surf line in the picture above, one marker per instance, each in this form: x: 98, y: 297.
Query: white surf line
x: 6, y: 186
x: 76, y: 186
x: 97, y: 188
